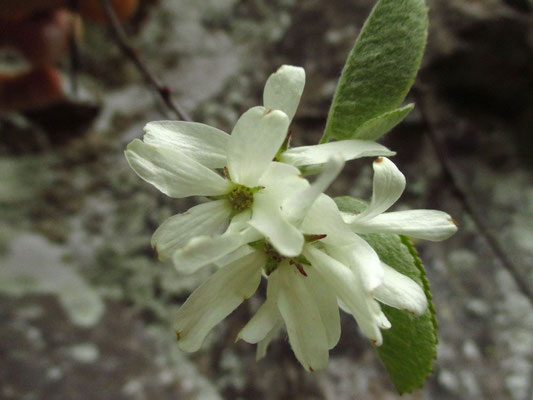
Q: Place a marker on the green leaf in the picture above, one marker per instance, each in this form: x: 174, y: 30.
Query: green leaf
x: 380, y: 68
x: 376, y: 127
x: 410, y: 346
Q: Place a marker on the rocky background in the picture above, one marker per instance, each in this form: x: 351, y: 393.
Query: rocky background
x: 85, y: 306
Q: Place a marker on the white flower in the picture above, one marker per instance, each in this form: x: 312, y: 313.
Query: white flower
x: 184, y: 159
x: 341, y: 267
x: 303, y: 292
x: 263, y: 218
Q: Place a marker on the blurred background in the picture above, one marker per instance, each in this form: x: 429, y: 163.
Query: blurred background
x: 85, y: 306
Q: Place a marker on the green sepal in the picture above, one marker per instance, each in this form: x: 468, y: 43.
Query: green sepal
x: 284, y: 146
x: 380, y: 68
x: 310, y: 238
x: 270, y: 266
x: 410, y: 346
x: 301, y: 259
x: 377, y: 127
x: 258, y: 244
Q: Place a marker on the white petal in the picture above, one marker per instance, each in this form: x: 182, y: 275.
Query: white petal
x: 284, y: 179
x: 343, y: 306
x: 263, y: 321
x: 362, y: 259
x: 209, y: 219
x: 383, y: 321
x: 254, y: 142
x: 281, y: 181
x: 238, y: 225
x: 349, y: 290
x: 346, y: 149
x: 203, y: 250
x: 262, y: 346
x: 324, y: 218
x: 215, y: 299
x: 267, y: 218
x: 326, y: 302
x: 421, y: 224
x: 202, y: 143
x: 307, y: 334
x: 389, y: 184
x: 272, y: 296
x: 283, y: 89
x: 239, y: 222
x: 173, y: 173
x: 233, y: 256
x: 297, y: 206
x: 400, y: 291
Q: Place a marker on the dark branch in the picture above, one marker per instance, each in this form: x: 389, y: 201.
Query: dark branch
x: 468, y: 204
x: 122, y: 41
x: 74, y: 57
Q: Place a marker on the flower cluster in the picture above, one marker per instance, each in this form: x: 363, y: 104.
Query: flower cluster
x: 264, y: 219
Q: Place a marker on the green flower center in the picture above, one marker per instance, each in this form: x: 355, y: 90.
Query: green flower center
x: 241, y: 198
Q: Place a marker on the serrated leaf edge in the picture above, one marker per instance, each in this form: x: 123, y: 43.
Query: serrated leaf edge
x: 418, y: 264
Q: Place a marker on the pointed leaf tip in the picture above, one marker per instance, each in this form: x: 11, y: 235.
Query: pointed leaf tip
x: 379, y: 71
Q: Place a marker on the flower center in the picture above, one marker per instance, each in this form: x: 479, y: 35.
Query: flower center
x: 274, y: 258
x: 241, y: 197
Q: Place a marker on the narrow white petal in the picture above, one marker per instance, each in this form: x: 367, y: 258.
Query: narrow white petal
x: 297, y: 206
x: 283, y: 89
x: 215, y: 299
x: 209, y: 219
x: 307, y: 334
x: 263, y: 321
x: 346, y: 149
x: 272, y: 297
x: 174, y: 173
x: 349, y: 290
x: 262, y: 346
x: 203, y: 250
x: 362, y: 259
x: 202, y: 143
x: 383, y: 321
x: 400, y: 291
x: 254, y: 142
x: 420, y: 224
x: 343, y: 306
x: 324, y: 218
x: 389, y: 184
x: 267, y: 218
x: 326, y: 302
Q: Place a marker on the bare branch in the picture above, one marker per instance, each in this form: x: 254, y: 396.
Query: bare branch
x: 74, y: 57
x: 123, y: 42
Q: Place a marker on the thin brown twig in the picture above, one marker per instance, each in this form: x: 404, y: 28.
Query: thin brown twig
x: 74, y: 57
x: 468, y: 204
x: 122, y: 41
